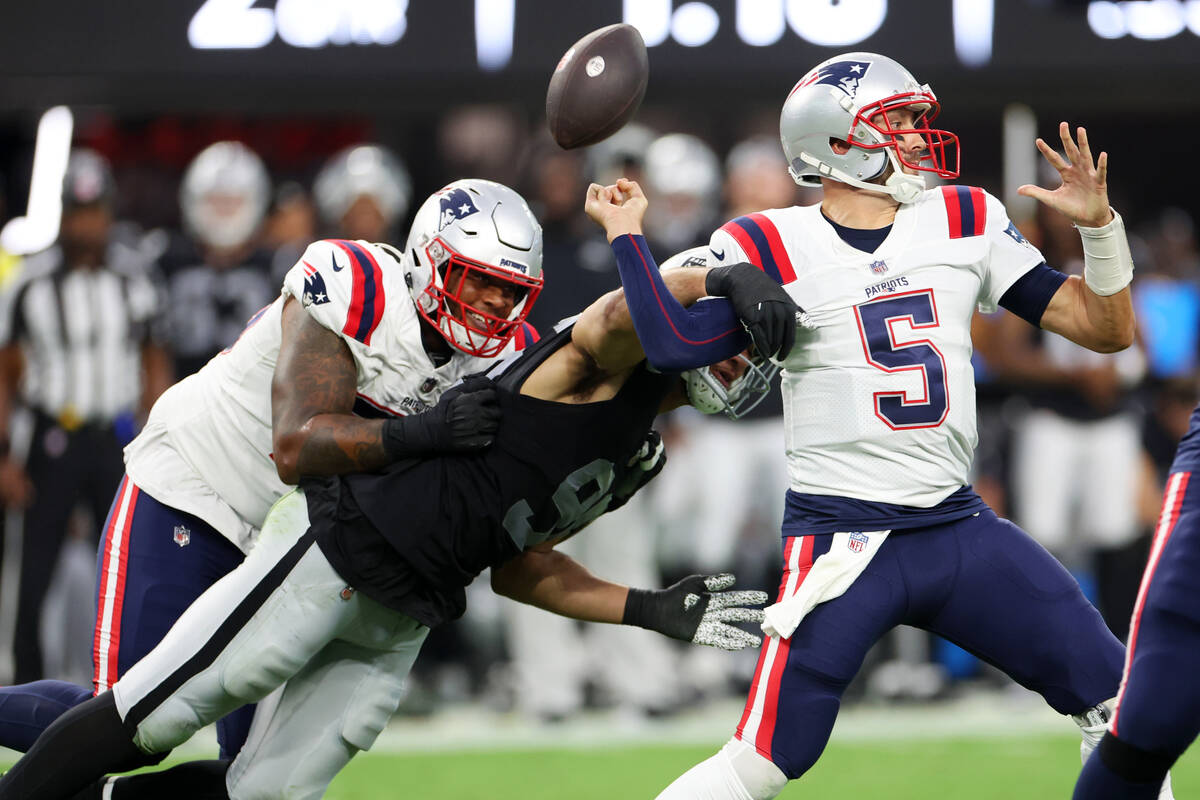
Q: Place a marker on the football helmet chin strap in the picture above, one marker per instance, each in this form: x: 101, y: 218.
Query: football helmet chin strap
x: 900, y: 185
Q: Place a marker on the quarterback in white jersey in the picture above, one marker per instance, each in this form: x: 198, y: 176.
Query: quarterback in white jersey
x: 881, y: 527
x: 342, y: 373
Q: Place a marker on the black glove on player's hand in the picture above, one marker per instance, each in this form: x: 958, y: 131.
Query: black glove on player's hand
x: 697, y: 610
x: 765, y: 309
x: 464, y: 420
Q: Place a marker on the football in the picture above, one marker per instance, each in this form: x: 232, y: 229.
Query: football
x: 597, y: 86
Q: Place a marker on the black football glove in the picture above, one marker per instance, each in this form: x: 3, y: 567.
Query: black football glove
x: 698, y: 610
x: 464, y: 420
x: 765, y: 309
x: 642, y: 468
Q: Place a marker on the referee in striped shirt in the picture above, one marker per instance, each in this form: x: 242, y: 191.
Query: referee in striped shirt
x: 78, y: 347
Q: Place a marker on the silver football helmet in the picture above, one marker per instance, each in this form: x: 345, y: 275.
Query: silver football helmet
x: 224, y: 194
x: 482, y: 230
x: 364, y: 169
x: 712, y: 392
x: 846, y: 98
x: 683, y: 180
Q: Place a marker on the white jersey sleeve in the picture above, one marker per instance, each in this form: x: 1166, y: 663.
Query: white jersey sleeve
x: 340, y: 284
x: 1009, y: 254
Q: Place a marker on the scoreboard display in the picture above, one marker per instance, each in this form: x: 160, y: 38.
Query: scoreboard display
x: 189, y: 54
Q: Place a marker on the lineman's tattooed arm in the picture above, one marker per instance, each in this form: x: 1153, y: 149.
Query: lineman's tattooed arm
x: 312, y: 398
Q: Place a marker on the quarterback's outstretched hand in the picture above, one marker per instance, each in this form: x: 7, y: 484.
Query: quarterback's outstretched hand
x: 1083, y: 196
x: 464, y: 420
x: 765, y: 309
x: 618, y: 208
x: 697, y: 609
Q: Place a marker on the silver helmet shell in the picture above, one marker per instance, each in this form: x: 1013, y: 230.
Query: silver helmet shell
x: 846, y: 98
x: 364, y: 169
x: 706, y: 391
x: 485, y: 229
x: 224, y: 195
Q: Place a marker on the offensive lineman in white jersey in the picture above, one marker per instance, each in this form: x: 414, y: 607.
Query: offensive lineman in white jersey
x: 881, y: 527
x: 342, y: 373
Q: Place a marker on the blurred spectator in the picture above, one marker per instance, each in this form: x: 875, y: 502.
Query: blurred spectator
x: 1166, y: 295
x: 481, y: 141
x: 290, y: 227
x: 217, y: 275
x: 81, y: 349
x: 362, y: 192
x: 683, y: 183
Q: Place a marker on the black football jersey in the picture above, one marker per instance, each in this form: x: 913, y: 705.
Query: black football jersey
x: 413, y: 537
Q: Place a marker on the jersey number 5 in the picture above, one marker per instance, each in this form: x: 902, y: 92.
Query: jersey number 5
x: 888, y: 350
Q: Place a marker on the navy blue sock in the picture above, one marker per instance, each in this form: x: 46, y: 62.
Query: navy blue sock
x: 1117, y: 771
x: 28, y: 709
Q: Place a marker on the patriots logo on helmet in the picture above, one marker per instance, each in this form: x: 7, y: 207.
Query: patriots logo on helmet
x: 845, y: 75
x: 517, y: 265
x: 456, y: 204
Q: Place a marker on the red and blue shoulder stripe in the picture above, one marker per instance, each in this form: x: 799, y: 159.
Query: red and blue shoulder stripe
x: 760, y: 240
x: 526, y: 335
x: 966, y: 210
x: 366, y: 298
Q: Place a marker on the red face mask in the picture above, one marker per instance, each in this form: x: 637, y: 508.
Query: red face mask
x: 940, y: 146
x: 468, y: 326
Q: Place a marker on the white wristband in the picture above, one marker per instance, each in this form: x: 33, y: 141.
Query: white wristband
x: 1107, y: 262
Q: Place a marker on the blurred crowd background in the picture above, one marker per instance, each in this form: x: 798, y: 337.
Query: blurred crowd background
x: 200, y: 171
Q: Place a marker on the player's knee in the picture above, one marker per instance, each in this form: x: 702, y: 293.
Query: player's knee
x: 761, y: 779
x: 1133, y: 763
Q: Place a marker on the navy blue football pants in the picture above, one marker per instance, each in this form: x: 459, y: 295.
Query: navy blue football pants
x: 154, y: 561
x: 980, y: 582
x: 1158, y: 707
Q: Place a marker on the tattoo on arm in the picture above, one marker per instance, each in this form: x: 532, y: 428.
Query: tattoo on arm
x: 312, y: 399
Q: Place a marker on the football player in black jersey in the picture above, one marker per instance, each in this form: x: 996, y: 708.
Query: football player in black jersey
x: 351, y: 572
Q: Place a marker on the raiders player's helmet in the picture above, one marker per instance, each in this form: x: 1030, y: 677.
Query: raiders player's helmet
x: 224, y: 195
x: 846, y: 98
x: 706, y: 391
x: 363, y: 169
x: 479, y: 229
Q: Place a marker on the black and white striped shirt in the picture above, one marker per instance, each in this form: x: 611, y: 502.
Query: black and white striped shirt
x: 81, y: 332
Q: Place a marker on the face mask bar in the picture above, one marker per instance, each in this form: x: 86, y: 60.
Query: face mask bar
x: 744, y: 393
x: 939, y: 144
x: 470, y: 328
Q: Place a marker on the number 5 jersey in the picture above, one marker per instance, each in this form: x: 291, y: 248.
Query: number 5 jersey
x: 879, y: 392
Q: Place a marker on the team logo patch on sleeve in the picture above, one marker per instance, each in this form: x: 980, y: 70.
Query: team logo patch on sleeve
x: 456, y: 204
x: 314, y: 287
x: 1016, y: 236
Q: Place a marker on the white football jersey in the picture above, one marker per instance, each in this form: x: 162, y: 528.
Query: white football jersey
x: 879, y: 394
x: 206, y: 448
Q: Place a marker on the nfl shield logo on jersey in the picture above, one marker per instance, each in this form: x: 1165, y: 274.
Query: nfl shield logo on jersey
x: 858, y: 541
x: 879, y: 267
x: 182, y: 536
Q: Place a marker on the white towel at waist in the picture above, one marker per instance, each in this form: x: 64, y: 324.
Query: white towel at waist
x: 830, y: 576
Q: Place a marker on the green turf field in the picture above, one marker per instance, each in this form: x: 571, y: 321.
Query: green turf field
x: 1001, y: 769
x: 1031, y: 768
